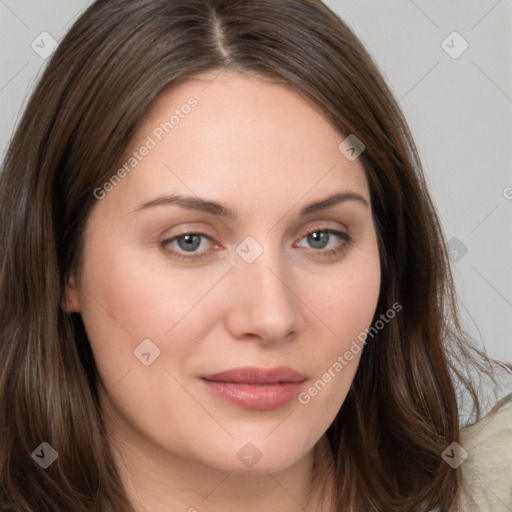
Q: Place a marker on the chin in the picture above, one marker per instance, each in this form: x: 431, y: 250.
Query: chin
x: 256, y: 454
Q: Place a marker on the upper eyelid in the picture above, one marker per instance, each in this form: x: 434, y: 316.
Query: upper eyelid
x: 320, y: 225
x: 306, y: 232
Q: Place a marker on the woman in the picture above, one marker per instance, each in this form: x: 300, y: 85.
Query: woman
x: 224, y: 284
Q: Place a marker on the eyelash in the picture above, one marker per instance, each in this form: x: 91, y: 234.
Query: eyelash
x: 347, y: 241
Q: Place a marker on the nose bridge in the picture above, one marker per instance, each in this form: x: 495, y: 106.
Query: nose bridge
x: 265, y: 304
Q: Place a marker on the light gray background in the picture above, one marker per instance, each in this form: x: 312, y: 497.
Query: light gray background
x: 459, y: 110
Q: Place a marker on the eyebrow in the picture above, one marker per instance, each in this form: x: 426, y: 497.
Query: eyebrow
x: 223, y: 210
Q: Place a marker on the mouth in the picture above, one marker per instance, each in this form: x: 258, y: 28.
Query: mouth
x: 256, y: 388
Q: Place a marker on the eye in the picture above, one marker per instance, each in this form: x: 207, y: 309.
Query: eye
x: 185, y: 243
x: 324, y: 242
x: 327, y: 241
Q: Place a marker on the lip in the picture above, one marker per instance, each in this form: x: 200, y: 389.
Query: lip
x: 256, y: 388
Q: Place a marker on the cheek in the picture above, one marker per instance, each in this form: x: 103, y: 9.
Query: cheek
x: 346, y: 305
x: 347, y: 301
x: 126, y: 299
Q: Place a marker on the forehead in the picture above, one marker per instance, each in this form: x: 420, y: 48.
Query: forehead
x: 248, y: 138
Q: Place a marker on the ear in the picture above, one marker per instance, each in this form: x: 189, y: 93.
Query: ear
x: 72, y: 299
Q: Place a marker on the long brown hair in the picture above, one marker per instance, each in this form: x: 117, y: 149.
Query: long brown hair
x: 401, y: 411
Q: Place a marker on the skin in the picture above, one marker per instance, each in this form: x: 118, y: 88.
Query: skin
x: 266, y: 152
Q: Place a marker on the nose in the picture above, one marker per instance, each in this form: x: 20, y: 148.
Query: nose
x: 263, y: 305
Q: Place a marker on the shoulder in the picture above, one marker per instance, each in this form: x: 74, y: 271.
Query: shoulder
x: 487, y: 470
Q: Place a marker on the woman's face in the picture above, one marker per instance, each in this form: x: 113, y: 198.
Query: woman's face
x: 197, y: 260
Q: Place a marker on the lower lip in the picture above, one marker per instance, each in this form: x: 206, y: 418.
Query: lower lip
x: 260, y: 397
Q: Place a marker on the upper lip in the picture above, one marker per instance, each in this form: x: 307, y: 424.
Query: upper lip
x: 255, y: 375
